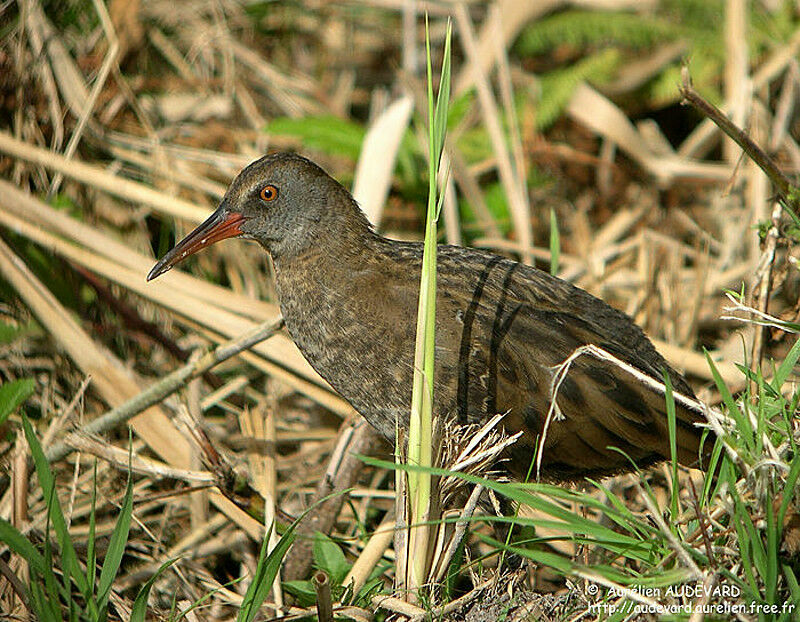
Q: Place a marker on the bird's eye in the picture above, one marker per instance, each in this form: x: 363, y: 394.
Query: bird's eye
x: 268, y: 193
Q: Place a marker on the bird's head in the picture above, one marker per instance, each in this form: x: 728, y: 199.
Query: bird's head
x: 283, y: 201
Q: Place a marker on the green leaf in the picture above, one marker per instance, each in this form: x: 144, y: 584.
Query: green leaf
x: 791, y: 483
x: 266, y: 571
x: 786, y: 367
x: 555, y: 243
x: 14, y: 540
x: 673, y: 449
x: 9, y: 332
x: 91, y: 553
x: 303, y: 591
x: 14, y: 393
x: 327, y: 134
x: 139, y: 609
x: 742, y: 421
x: 443, y: 98
x: 328, y: 556
x: 582, y: 28
x: 116, y: 547
x: 47, y: 482
x: 558, y: 86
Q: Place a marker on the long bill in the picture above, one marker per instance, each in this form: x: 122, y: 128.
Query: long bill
x: 220, y: 225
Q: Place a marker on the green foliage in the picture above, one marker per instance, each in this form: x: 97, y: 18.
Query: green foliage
x: 591, y: 28
x: 13, y: 394
x: 555, y: 243
x: 328, y: 556
x: 10, y: 333
x: 419, y: 449
x: 77, y: 596
x: 698, y: 23
x: 328, y: 134
x: 558, y: 86
x: 266, y: 571
x: 139, y: 608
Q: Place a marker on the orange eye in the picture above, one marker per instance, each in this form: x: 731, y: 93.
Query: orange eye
x: 269, y: 193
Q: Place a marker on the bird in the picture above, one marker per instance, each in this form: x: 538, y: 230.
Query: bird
x: 504, y: 331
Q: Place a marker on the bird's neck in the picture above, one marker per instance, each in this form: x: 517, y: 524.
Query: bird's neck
x: 310, y: 279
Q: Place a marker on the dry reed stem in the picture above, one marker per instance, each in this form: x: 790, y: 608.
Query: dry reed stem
x: 737, y: 84
x: 67, y: 75
x: 100, y: 179
x: 120, y: 459
x: 519, y: 203
x: 108, y: 63
x: 603, y: 117
x: 371, y: 554
x: 30, y: 209
x: 110, y: 377
x: 161, y: 389
x: 259, y: 424
x: 376, y: 161
x: 703, y: 137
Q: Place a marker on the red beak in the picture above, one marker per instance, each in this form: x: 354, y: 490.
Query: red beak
x: 220, y: 225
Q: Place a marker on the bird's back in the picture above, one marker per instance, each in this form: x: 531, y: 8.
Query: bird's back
x: 503, y: 331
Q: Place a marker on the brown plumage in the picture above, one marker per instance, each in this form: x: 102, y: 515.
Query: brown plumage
x: 349, y: 298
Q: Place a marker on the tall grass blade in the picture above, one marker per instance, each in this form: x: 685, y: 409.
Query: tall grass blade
x: 116, y: 547
x: 19, y: 544
x: 266, y: 571
x: 786, y: 367
x: 420, y: 431
x: 139, y: 608
x: 47, y: 482
x: 742, y: 421
x: 555, y: 243
x: 673, y: 450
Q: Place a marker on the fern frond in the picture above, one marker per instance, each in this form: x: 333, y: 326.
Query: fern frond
x: 558, y: 86
x: 589, y: 28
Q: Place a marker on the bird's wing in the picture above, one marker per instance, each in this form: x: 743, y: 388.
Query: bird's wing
x: 531, y: 324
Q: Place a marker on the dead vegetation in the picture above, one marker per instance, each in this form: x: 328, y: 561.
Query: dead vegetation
x: 122, y: 124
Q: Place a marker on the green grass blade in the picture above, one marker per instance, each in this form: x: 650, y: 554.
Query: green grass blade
x: 420, y: 429
x: 19, y: 544
x: 442, y: 99
x: 47, y: 482
x: 742, y: 421
x: 51, y: 585
x: 773, y: 544
x: 266, y: 571
x: 46, y: 610
x: 792, y: 584
x: 673, y: 450
x: 14, y: 393
x: 330, y: 558
x: 116, y: 547
x: 555, y: 243
x: 91, y: 554
x: 786, y: 367
x: 791, y: 484
x: 139, y: 608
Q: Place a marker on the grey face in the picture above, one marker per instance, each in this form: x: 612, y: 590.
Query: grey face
x: 280, y: 200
